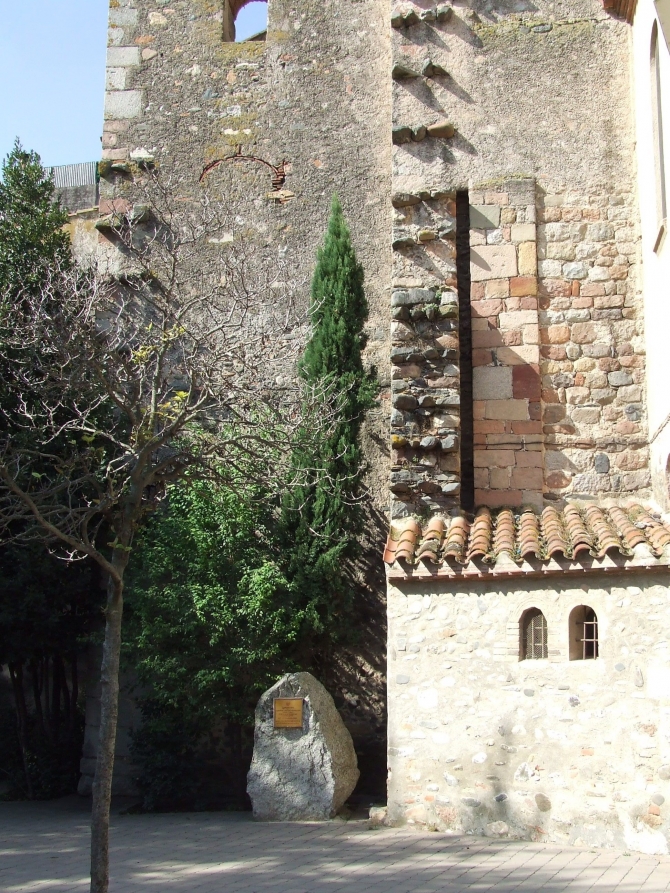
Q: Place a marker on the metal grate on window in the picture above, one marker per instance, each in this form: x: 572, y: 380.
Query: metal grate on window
x: 535, y: 635
x: 590, y: 639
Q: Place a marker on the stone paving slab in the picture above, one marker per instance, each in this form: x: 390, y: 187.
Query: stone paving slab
x: 44, y: 849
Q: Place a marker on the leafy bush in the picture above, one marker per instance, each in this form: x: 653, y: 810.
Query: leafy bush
x: 213, y: 622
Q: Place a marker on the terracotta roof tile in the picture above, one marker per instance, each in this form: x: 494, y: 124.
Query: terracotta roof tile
x: 576, y: 533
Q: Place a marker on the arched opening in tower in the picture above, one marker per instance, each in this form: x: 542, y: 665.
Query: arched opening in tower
x: 245, y: 20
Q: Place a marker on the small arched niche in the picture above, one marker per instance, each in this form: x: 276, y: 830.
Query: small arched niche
x: 533, y: 635
x: 583, y: 633
x: 244, y: 20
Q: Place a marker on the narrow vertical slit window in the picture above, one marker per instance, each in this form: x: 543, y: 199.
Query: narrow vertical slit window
x: 657, y: 123
x: 465, y: 342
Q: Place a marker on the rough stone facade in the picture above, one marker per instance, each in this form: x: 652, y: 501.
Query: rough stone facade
x: 556, y: 750
x: 508, y: 437
x: 484, y: 156
x: 313, y: 101
x: 538, y: 99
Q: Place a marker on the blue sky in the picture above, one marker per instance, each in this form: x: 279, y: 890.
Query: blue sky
x: 52, y: 74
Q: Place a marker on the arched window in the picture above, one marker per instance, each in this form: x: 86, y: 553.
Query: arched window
x: 245, y: 20
x: 657, y: 123
x: 583, y: 633
x: 533, y: 645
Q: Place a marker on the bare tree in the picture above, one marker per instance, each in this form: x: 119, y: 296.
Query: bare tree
x: 172, y: 359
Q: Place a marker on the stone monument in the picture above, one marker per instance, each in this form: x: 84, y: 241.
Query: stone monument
x: 304, y: 765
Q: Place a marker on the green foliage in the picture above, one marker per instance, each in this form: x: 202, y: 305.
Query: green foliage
x: 322, y: 520
x: 46, y: 605
x: 31, y: 222
x: 213, y: 623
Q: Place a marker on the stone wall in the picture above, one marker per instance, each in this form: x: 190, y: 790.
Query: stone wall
x: 593, y: 352
x: 310, y: 107
x: 557, y: 750
x: 425, y: 421
x: 508, y: 440
x: 313, y: 101
x: 536, y: 94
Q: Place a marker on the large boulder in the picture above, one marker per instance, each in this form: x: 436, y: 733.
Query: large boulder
x: 301, y: 774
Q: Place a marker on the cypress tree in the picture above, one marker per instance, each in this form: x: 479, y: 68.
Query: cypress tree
x: 322, y: 520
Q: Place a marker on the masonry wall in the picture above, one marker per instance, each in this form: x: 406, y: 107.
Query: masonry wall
x: 312, y: 106
x: 314, y: 97
x: 551, y: 750
x: 538, y: 94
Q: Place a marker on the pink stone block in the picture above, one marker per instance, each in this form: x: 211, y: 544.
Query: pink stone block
x: 493, y: 262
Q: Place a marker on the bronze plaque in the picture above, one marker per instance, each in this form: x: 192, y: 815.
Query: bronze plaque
x: 288, y: 713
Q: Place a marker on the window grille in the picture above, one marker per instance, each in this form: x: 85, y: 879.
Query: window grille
x: 534, y: 635
x: 590, y: 637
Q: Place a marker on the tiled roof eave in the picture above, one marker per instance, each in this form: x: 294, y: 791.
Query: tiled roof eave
x: 536, y: 569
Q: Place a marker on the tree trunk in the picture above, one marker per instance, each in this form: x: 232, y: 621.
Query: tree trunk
x: 74, y: 673
x: 16, y: 675
x: 37, y: 695
x: 109, y: 708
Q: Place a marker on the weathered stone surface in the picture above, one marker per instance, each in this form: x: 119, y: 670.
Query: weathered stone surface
x: 301, y: 774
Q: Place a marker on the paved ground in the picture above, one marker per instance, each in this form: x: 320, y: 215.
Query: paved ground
x: 43, y: 847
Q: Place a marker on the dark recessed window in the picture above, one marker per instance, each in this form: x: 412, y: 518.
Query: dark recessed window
x: 533, y: 635
x: 583, y: 633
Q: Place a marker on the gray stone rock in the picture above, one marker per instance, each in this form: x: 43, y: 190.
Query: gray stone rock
x: 619, y: 379
x: 497, y: 829
x: 401, y: 135
x: 601, y: 463
x: 302, y: 774
x: 543, y: 802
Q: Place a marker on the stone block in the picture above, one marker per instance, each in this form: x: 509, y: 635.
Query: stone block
x: 527, y: 478
x: 499, y: 478
x: 123, y: 104
x: 583, y: 333
x: 123, y: 57
x: 499, y: 498
x: 493, y: 262
x: 516, y: 356
x: 484, y: 216
x: 523, y: 286
x: 492, y: 383
x: 506, y: 409
x: 523, y: 232
x: 487, y: 338
x: 486, y: 308
x: 531, y: 334
x: 517, y: 319
x: 525, y: 382
x: 122, y: 17
x: 496, y: 288
x: 526, y: 459
x: 577, y: 395
x: 527, y: 259
x: 493, y: 458
x: 301, y: 774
